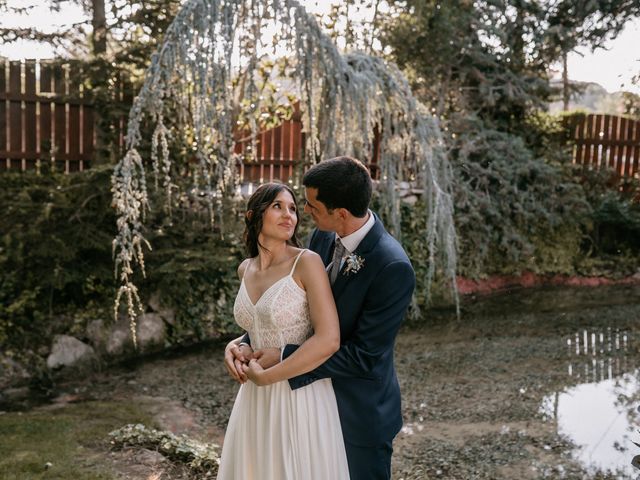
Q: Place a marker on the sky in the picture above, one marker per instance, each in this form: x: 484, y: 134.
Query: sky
x: 612, y: 68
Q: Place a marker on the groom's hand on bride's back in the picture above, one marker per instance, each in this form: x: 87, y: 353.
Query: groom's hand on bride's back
x: 267, y: 357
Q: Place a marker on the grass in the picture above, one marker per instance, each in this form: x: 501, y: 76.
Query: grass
x: 67, y: 437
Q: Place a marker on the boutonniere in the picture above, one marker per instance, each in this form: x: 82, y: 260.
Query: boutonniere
x: 353, y: 264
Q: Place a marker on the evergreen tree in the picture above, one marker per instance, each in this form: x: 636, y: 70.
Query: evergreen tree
x: 483, y: 67
x: 480, y: 57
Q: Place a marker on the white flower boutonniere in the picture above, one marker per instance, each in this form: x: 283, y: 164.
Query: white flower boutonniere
x: 353, y: 264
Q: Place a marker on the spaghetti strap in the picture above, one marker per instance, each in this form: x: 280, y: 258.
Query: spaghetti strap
x: 244, y: 272
x: 296, y: 262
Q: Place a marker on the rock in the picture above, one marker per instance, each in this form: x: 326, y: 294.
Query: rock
x: 411, y: 199
x: 154, y: 302
x: 97, y: 333
x: 14, y: 395
x: 150, y: 331
x: 119, y: 338
x: 11, y: 372
x: 169, y: 316
x: 149, y: 458
x: 68, y: 351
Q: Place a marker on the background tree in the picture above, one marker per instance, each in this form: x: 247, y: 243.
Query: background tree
x: 571, y: 24
x: 113, y: 47
x: 481, y: 68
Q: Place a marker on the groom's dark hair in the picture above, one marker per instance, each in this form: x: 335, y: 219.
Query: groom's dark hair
x: 342, y: 182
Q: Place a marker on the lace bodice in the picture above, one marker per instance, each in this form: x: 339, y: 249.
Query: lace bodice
x: 280, y: 316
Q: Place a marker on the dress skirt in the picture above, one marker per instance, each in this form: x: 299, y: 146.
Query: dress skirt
x: 275, y: 433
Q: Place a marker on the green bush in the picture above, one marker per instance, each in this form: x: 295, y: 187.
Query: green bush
x: 55, y: 253
x: 57, y: 270
x: 512, y: 207
x: 615, y: 220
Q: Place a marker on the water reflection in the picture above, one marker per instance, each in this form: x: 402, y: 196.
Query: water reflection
x: 599, y: 414
x: 599, y: 355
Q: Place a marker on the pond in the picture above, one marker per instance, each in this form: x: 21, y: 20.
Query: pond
x: 599, y: 415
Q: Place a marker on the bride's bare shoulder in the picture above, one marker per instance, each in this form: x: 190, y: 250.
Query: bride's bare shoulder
x: 310, y: 262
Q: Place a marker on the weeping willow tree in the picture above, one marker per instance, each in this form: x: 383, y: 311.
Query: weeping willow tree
x: 202, y: 80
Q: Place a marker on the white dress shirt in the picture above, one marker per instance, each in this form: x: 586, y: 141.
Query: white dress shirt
x: 352, y: 240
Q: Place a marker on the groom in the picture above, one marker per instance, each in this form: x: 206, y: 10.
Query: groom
x: 372, y: 282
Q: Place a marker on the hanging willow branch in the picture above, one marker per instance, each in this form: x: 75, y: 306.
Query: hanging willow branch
x: 343, y: 98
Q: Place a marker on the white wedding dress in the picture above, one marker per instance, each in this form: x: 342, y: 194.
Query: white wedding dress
x: 275, y: 433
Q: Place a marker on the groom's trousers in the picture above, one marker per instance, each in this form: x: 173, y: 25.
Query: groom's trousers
x: 369, y: 463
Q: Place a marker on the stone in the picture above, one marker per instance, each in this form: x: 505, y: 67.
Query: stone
x: 150, y: 458
x: 119, y: 338
x: 154, y: 302
x: 14, y: 395
x: 12, y: 372
x: 68, y: 351
x: 97, y: 333
x: 168, y: 314
x: 150, y: 331
x: 410, y: 200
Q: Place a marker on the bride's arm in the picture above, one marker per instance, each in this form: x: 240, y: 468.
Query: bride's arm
x: 325, y: 340
x: 238, y: 351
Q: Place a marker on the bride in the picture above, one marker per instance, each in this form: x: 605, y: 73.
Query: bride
x: 275, y: 433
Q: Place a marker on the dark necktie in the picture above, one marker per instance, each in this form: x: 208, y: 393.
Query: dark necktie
x: 338, y: 253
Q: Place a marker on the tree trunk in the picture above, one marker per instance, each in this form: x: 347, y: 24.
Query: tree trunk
x: 565, y: 83
x: 518, y: 54
x: 99, y: 23
x: 100, y: 81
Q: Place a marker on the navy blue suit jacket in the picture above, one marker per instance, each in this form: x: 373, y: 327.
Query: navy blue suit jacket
x: 371, y: 306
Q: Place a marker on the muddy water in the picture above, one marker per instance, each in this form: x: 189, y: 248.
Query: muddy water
x: 532, y: 384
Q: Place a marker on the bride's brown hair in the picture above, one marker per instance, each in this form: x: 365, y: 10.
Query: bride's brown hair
x: 257, y: 204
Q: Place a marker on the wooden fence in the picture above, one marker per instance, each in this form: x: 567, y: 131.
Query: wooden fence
x: 279, y: 152
x: 47, y: 117
x: 44, y: 117
x: 607, y: 141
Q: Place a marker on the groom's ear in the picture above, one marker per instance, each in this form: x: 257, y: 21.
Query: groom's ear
x: 343, y: 213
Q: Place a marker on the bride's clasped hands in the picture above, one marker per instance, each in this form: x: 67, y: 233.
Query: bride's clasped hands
x: 256, y: 373
x: 255, y: 365
x: 238, y: 360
